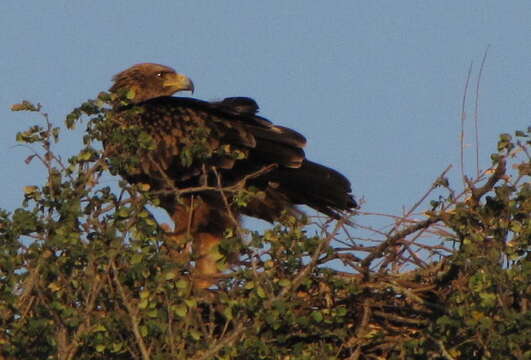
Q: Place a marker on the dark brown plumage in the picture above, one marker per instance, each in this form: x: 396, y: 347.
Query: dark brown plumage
x: 207, y: 144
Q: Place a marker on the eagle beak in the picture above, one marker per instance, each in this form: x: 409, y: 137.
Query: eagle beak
x: 178, y: 82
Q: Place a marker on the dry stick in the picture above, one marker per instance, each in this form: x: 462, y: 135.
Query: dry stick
x: 398, y: 255
x: 373, y: 230
x: 477, y: 193
x: 360, y: 331
x: 414, y: 242
x: 401, y: 319
x: 476, y: 109
x: 391, y: 240
x: 371, y: 213
x: 432, y: 187
x: 347, y: 259
x: 398, y: 289
x: 233, y: 188
x: 417, y: 260
x: 219, y: 184
x: 463, y: 117
x: 406, y: 216
x: 365, y: 264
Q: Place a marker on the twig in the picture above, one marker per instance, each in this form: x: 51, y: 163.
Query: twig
x: 132, y: 313
x: 392, y: 240
x: 235, y: 221
x: 360, y: 331
x: 463, y: 118
x: 477, y: 193
x: 315, y: 257
x: 444, y: 352
x: 215, y: 348
x: 476, y: 109
x: 233, y: 188
x: 96, y: 286
x: 432, y: 187
x: 401, y: 319
x: 365, y: 264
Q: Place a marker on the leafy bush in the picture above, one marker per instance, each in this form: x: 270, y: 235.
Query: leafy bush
x: 87, y: 272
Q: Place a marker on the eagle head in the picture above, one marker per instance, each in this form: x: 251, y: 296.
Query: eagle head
x: 146, y: 81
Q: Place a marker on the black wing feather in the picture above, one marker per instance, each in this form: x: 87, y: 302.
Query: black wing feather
x: 234, y: 122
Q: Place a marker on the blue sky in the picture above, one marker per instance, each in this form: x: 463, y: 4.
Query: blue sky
x: 375, y: 86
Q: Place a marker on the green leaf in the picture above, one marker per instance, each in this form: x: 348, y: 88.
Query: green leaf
x: 99, y: 328
x: 196, y: 335
x: 317, y: 316
x: 117, y: 347
x: 284, y: 283
x: 227, y: 312
x: 123, y: 212
x: 143, y: 330
x: 261, y: 292
x: 137, y: 259
x: 181, y: 284
x: 191, y: 303
x: 25, y: 106
x: 143, y: 304
x: 170, y: 275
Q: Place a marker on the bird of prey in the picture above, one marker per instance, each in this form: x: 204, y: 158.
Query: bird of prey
x: 200, y: 155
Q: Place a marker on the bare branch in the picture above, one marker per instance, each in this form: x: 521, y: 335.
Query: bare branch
x: 476, y: 108
x: 463, y: 118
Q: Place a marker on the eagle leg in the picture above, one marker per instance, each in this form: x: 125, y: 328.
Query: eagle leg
x: 190, y: 221
x: 208, y: 256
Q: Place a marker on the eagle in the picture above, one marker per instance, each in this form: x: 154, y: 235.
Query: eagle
x: 202, y: 156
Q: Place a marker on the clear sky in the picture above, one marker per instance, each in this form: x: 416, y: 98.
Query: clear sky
x: 375, y: 86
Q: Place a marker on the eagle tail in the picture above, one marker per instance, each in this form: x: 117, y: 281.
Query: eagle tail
x: 319, y: 187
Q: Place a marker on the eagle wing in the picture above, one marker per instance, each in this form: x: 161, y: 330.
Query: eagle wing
x: 193, y: 136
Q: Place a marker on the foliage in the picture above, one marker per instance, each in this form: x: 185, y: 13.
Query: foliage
x: 87, y: 272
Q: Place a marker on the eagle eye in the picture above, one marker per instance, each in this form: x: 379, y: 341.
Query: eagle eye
x: 159, y: 74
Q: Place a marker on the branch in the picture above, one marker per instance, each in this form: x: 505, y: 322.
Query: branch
x: 315, y: 257
x: 132, y: 313
x: 477, y: 193
x: 391, y: 241
x: 360, y: 331
x: 226, y: 341
x: 463, y: 118
x: 476, y: 110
